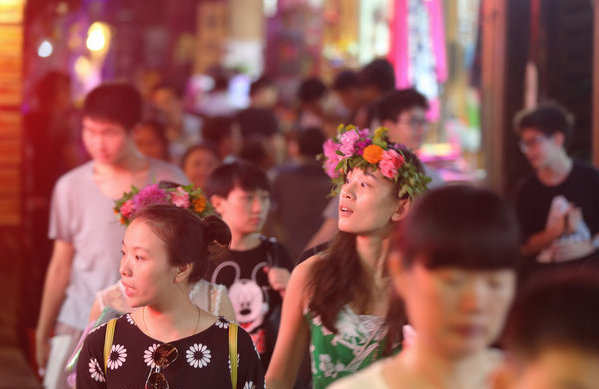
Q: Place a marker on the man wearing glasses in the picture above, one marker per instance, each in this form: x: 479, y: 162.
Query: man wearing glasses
x: 403, y: 112
x: 558, y: 203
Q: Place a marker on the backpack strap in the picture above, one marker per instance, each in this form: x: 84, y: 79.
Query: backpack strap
x: 272, y: 252
x: 233, y: 352
x: 108, y: 338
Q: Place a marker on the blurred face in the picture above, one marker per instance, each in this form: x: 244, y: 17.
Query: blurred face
x: 409, y: 128
x: 148, y: 142
x: 455, y: 311
x: 350, y: 98
x: 198, y: 166
x: 539, y: 148
x: 106, y: 142
x: 145, y: 271
x: 562, y: 368
x: 368, y: 203
x: 244, y: 211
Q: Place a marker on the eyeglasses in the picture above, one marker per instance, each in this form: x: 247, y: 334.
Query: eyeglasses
x: 415, y: 122
x: 164, y: 355
x: 526, y: 144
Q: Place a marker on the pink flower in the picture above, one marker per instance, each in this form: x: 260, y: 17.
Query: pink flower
x: 127, y: 209
x: 348, y: 142
x: 361, y: 145
x: 332, y: 158
x: 330, y: 148
x: 330, y: 166
x: 180, y: 198
x: 390, y: 163
x: 151, y: 194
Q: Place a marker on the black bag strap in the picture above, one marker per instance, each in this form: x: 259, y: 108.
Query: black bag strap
x: 272, y: 250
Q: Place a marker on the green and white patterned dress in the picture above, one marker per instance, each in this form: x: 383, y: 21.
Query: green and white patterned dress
x: 359, y: 342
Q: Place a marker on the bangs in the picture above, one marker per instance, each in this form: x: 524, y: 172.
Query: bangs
x: 460, y: 226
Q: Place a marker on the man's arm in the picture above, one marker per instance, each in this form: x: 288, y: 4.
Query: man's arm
x: 542, y: 239
x: 57, y: 280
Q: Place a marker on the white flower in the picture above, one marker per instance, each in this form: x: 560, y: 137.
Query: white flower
x: 149, y: 355
x: 97, y: 328
x: 130, y: 319
x: 118, y: 355
x: 237, y: 362
x: 248, y: 385
x: 95, y: 370
x: 222, y: 323
x: 198, y: 355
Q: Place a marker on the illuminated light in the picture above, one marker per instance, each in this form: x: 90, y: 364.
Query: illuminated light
x: 83, y: 67
x: 98, y: 37
x: 45, y: 49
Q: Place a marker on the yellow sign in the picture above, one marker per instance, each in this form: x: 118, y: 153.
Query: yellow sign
x: 11, y: 11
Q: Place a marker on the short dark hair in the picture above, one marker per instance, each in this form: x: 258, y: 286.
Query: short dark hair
x: 260, y: 83
x: 461, y: 226
x: 208, y: 146
x: 311, y: 89
x: 188, y: 238
x: 345, y: 79
x: 217, y: 128
x: 556, y: 310
x: 239, y: 173
x: 394, y: 103
x: 310, y: 141
x: 114, y: 102
x: 548, y: 118
x: 379, y: 73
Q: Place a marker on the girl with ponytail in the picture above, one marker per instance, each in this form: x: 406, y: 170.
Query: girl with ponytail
x: 168, y: 341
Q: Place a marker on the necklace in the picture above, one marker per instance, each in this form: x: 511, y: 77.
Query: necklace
x: 195, y: 329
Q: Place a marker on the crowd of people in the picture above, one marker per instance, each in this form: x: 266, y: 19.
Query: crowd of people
x: 239, y: 258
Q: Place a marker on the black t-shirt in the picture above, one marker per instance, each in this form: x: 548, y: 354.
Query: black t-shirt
x: 256, y: 304
x: 533, y: 199
x: 202, y: 361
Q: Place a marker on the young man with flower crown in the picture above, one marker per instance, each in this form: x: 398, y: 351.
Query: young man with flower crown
x: 337, y: 300
x: 87, y: 236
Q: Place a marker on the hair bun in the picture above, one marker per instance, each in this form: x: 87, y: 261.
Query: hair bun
x: 217, y: 236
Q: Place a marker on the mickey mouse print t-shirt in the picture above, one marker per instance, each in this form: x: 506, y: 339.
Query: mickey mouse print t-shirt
x: 256, y: 304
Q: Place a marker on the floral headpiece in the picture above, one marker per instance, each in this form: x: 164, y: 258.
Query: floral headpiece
x: 353, y: 148
x: 187, y: 196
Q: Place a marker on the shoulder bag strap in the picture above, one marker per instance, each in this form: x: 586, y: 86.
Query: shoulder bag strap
x: 108, y: 338
x: 233, y: 352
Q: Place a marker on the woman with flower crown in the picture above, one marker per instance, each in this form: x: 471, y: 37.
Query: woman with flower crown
x: 169, y: 341
x: 206, y: 295
x: 337, y: 300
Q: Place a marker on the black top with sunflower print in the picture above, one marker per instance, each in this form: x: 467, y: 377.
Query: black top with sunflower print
x: 202, y: 361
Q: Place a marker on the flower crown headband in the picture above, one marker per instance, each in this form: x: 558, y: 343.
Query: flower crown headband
x: 188, y: 197
x: 353, y: 148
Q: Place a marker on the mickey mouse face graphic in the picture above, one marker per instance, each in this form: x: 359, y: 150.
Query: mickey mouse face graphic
x: 250, y: 300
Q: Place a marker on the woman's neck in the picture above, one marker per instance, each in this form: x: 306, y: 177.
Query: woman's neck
x: 244, y: 242
x: 173, y: 317
x: 372, y: 251
x: 427, y: 368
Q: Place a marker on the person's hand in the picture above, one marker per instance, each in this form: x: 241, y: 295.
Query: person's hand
x: 556, y: 228
x: 42, y: 350
x: 573, y: 220
x: 565, y: 251
x: 278, y: 278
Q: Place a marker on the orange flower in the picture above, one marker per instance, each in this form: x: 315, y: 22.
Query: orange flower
x: 373, y: 154
x: 199, y: 204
